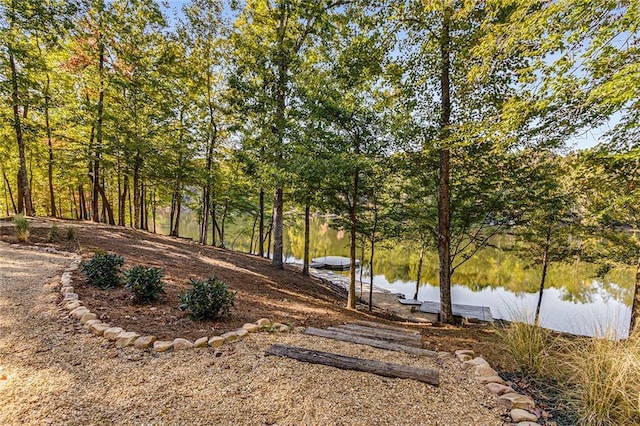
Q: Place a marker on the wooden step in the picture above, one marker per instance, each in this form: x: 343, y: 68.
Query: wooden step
x: 426, y: 375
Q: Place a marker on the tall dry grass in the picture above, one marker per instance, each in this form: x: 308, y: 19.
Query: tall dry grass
x: 606, y: 375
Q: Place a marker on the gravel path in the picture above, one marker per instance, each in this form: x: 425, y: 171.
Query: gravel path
x: 52, y: 371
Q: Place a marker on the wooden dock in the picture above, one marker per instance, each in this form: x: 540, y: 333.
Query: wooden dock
x: 482, y: 313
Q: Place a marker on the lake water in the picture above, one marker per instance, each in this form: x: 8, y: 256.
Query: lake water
x: 574, y: 301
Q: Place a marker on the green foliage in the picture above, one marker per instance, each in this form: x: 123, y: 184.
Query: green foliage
x: 103, y: 269
x: 145, y: 283
x: 71, y: 233
x: 22, y: 228
x: 53, y: 233
x: 208, y: 299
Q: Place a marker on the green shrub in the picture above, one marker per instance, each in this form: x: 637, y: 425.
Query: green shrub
x: 145, y: 283
x: 208, y: 299
x: 53, y: 233
x: 103, y: 269
x: 71, y: 233
x: 22, y: 228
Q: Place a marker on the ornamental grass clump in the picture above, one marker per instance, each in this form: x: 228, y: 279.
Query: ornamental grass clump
x: 103, y: 270
x: 22, y: 228
x: 208, y: 299
x: 145, y: 283
x: 606, y: 376
x: 529, y: 345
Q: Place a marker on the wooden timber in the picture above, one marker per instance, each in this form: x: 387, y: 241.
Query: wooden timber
x: 372, y: 333
x: 375, y: 343
x: 385, y: 369
x: 378, y: 325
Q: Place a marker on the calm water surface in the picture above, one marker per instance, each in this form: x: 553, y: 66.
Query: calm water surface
x: 574, y: 301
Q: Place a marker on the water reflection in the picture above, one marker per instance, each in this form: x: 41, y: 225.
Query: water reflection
x: 574, y: 301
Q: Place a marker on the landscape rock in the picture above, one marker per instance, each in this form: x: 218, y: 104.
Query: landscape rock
x: 498, y: 389
x: 88, y: 317
x: 515, y: 400
x: 91, y: 322
x: 465, y: 352
x: 276, y: 326
x: 79, y: 312
x: 241, y: 332
x: 70, y: 296
x: 519, y: 415
x: 66, y: 290
x: 181, y: 344
x: 162, y: 345
x: 216, y: 341
x: 527, y: 424
x: 491, y: 379
x: 228, y: 337
x: 464, y: 357
x: 99, y: 328
x: 299, y: 329
x: 126, y: 338
x: 112, y: 333
x: 72, y: 305
x: 251, y: 328
x: 485, y: 370
x: 144, y: 342
x: 201, y: 342
x: 263, y: 322
x: 474, y: 363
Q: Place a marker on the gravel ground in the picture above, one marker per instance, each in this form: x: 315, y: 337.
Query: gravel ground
x: 53, y: 371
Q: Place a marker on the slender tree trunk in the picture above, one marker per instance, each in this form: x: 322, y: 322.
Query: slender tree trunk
x: 214, y: 222
x: 305, y: 262
x: 8, y: 188
x: 222, y: 223
x: 24, y: 203
x: 362, y: 247
x: 6, y: 198
x: 52, y: 198
x: 545, y: 264
x: 278, y: 205
x: 106, y: 206
x: 83, y: 203
x: 419, y: 274
x: 444, y: 189
x: 153, y: 205
x: 373, y: 246
x: 130, y: 208
x: 351, y: 297
x: 98, y: 147
x: 253, y: 234
x: 635, y: 305
x: 261, y: 225
x: 136, y: 190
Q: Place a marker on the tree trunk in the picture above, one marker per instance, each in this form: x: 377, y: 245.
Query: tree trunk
x: 8, y: 188
x: 351, y: 297
x: 545, y: 264
x: 635, y: 305
x: 305, y: 261
x: 444, y: 189
x: 106, y: 205
x: 137, y: 179
x: 214, y: 222
x: 278, y: 205
x: 253, y: 234
x: 261, y: 225
x: 419, y: 273
x: 24, y: 203
x: 83, y: 203
x: 373, y: 245
x: 52, y: 198
x: 98, y: 147
x: 122, y: 200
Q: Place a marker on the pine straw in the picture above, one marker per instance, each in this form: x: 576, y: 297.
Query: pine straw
x: 56, y: 372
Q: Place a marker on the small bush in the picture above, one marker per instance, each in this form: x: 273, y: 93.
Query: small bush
x: 71, y: 233
x: 103, y: 269
x: 145, y: 283
x: 53, y: 234
x: 22, y: 228
x: 208, y: 299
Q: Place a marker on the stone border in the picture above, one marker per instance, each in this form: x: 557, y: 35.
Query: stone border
x: 123, y: 338
x: 520, y: 406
